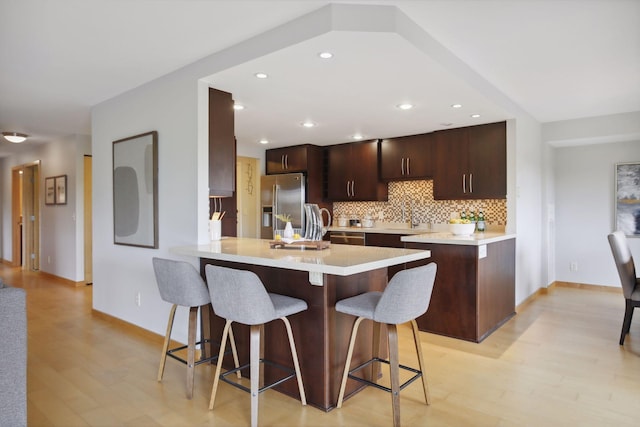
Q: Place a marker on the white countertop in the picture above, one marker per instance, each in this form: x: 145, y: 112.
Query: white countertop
x: 341, y: 260
x: 447, y: 238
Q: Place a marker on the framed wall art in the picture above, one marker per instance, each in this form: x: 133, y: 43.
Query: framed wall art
x: 135, y: 190
x: 627, y: 203
x: 50, y: 191
x: 61, y: 189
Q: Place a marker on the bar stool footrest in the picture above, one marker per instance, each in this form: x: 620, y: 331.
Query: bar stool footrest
x: 292, y: 374
x: 417, y: 375
x: 199, y: 361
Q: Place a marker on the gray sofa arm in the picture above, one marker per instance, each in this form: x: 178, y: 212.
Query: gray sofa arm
x: 13, y: 357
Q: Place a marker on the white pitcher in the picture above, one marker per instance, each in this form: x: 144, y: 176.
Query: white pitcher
x: 315, y: 227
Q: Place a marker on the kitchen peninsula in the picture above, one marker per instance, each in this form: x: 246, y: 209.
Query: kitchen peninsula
x: 321, y: 278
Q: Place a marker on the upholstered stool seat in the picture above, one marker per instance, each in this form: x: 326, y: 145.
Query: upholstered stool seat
x: 239, y: 296
x: 405, y: 298
x: 180, y: 284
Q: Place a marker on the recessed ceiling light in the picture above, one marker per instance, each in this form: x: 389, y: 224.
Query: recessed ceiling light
x: 238, y: 106
x: 14, y: 137
x: 405, y: 106
x: 261, y: 75
x: 308, y: 124
x: 264, y: 141
x: 325, y: 55
x: 357, y: 136
x: 456, y: 105
x: 475, y: 116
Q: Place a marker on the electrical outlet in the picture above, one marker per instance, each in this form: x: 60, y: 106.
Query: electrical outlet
x: 573, y: 266
x: 138, y: 300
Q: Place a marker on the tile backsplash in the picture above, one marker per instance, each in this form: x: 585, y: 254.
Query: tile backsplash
x: 418, y: 196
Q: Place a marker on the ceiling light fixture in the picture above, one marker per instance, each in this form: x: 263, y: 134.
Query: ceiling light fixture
x: 475, y: 116
x: 456, y: 105
x: 14, y: 137
x: 264, y: 141
x: 405, y: 106
x: 261, y: 75
x: 325, y: 55
x: 357, y: 136
x: 238, y: 107
x: 308, y: 124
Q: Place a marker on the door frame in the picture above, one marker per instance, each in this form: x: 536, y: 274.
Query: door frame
x: 25, y: 211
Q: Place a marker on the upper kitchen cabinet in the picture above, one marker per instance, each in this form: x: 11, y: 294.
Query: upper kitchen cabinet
x: 470, y: 163
x: 289, y: 159
x: 406, y: 157
x: 353, y: 172
x: 222, y: 144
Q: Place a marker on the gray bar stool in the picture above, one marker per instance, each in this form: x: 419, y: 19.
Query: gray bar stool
x: 239, y: 296
x: 180, y: 284
x: 405, y: 298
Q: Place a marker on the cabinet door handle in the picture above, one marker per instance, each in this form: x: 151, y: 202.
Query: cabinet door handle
x: 470, y: 183
x: 353, y: 189
x: 402, y: 166
x: 408, y: 166
x: 286, y: 161
x: 282, y: 161
x: 464, y: 183
x: 348, y: 189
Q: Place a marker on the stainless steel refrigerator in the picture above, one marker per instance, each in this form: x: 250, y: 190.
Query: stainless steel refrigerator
x: 282, y: 195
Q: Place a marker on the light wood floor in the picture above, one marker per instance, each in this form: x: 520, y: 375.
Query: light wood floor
x: 557, y: 363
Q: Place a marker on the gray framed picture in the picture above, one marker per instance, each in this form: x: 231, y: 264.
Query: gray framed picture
x: 135, y: 190
x: 627, y: 204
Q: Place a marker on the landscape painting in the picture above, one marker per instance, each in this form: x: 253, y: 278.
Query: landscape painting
x: 627, y: 205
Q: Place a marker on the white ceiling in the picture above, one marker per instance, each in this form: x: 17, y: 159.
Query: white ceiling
x: 556, y: 59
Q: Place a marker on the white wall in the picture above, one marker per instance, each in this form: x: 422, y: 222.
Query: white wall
x: 585, y: 196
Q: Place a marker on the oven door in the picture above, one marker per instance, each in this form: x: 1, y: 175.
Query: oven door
x: 348, y: 238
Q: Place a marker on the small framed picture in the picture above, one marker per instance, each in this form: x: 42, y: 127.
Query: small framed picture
x: 50, y: 191
x: 61, y: 189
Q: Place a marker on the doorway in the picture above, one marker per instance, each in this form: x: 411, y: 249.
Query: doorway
x: 248, y: 193
x: 25, y: 216
x: 88, y: 225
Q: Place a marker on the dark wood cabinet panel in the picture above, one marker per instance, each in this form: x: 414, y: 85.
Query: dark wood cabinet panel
x: 472, y: 295
x: 406, y: 157
x: 222, y: 144
x: 470, y: 163
x: 386, y: 241
x: 287, y: 159
x: 222, y: 160
x: 353, y: 172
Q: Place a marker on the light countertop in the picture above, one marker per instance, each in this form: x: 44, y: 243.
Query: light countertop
x: 437, y: 234
x: 447, y: 238
x: 341, y: 260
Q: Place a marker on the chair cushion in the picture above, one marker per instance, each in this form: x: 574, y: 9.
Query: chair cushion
x: 286, y: 306
x: 363, y: 305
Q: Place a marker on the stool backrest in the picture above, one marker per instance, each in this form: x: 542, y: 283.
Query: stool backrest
x: 624, y: 262
x: 407, y: 295
x: 180, y: 283
x: 239, y: 295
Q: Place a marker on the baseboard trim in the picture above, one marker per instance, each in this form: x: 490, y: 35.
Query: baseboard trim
x: 130, y: 327
x: 63, y: 280
x: 589, y: 287
x: 572, y: 285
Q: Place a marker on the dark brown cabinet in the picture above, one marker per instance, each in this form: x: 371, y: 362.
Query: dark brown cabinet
x: 406, y: 157
x: 353, y: 172
x: 470, y: 163
x: 222, y: 159
x: 222, y: 144
x: 386, y: 241
x: 287, y: 159
x: 474, y: 291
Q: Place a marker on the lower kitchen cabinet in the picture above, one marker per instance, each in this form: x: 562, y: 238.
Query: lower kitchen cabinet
x: 474, y: 292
